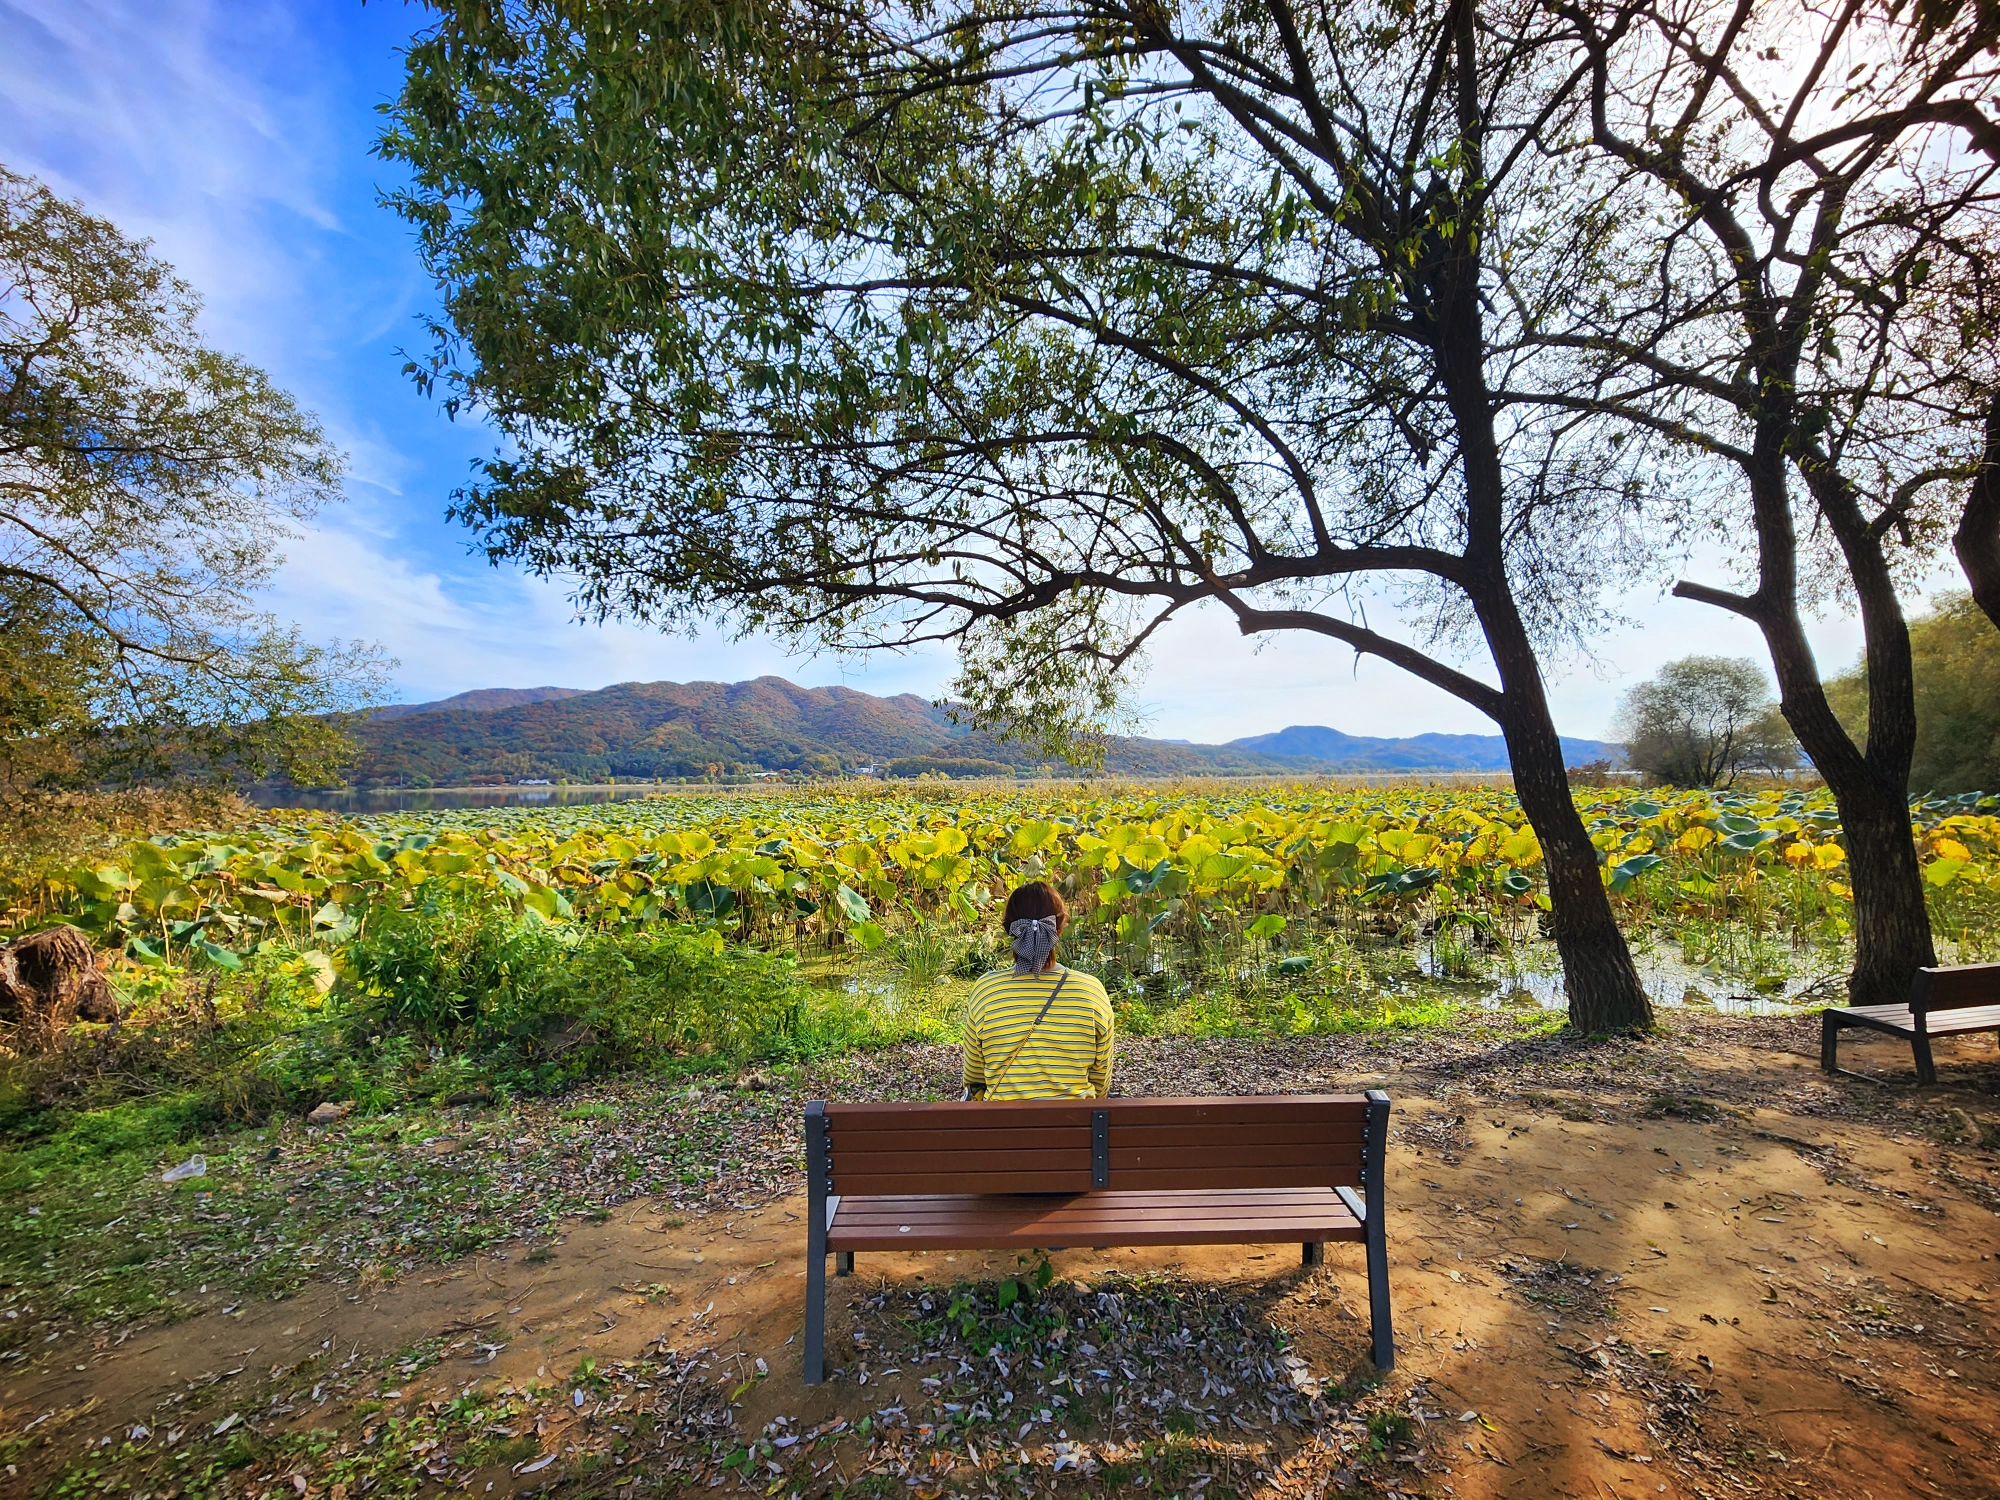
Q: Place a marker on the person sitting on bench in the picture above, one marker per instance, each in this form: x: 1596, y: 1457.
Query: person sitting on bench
x: 1039, y: 1030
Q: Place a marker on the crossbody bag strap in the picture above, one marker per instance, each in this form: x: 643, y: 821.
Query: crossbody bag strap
x: 1028, y: 1035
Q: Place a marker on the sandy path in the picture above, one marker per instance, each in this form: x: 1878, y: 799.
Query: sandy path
x: 1632, y: 1305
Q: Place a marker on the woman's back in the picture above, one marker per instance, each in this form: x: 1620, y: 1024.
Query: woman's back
x: 1066, y: 1054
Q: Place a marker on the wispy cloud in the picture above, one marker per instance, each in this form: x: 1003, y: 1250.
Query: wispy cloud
x: 452, y: 632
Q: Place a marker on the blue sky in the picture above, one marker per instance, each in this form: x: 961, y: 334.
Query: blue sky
x: 236, y: 136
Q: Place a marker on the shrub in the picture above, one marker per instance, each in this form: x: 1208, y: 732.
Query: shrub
x: 532, y: 1005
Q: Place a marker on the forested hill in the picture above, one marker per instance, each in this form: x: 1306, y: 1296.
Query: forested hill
x: 642, y: 730
x: 481, y: 699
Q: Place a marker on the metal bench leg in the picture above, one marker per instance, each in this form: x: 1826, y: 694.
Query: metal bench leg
x: 1378, y: 1231
x: 843, y: 1262
x: 1926, y: 1069
x: 1829, y: 1042
x: 815, y: 1352
x: 1378, y: 1300
x: 1312, y: 1253
x: 817, y: 1175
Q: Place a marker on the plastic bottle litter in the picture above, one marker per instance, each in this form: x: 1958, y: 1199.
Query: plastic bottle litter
x: 194, y: 1166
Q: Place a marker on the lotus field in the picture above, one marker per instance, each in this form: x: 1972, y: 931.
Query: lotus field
x: 1157, y: 879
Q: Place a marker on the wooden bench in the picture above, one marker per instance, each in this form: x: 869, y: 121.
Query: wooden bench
x: 1943, y: 1002
x: 1051, y: 1173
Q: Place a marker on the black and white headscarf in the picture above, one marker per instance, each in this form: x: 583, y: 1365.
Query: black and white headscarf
x: 1034, y: 941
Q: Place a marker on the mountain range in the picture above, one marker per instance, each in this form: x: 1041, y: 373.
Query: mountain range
x: 639, y: 731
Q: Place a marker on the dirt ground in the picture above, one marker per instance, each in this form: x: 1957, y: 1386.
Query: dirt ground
x: 1686, y: 1267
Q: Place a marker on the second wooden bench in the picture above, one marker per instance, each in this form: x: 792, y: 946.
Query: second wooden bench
x: 1949, y: 1001
x: 1042, y: 1174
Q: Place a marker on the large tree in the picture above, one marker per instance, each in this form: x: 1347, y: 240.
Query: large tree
x: 1817, y: 321
x: 1956, y: 652
x: 1704, y: 721
x: 1032, y: 329
x: 146, y: 484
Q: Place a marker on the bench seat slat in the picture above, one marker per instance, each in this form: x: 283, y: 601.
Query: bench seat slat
x: 851, y: 1164
x: 1276, y: 1133
x: 846, y: 1119
x: 916, y: 1178
x: 1126, y: 1158
x: 1012, y: 1206
x: 977, y: 1137
x: 1104, y: 1218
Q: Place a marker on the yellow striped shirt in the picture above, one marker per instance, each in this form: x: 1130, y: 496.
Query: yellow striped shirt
x: 1068, y: 1056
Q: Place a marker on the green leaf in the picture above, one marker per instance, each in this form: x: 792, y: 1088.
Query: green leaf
x: 870, y: 935
x: 852, y: 903
x: 1749, y: 841
x: 1942, y: 872
x: 1010, y: 1293
x: 218, y: 955
x: 1624, y: 873
x: 549, y: 902
x: 1267, y: 926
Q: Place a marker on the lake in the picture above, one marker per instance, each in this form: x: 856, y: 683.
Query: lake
x: 437, y: 799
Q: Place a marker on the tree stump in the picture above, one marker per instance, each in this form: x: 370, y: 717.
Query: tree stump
x: 47, y: 980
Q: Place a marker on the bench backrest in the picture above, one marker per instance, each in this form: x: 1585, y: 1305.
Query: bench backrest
x: 1075, y: 1145
x: 1955, y: 987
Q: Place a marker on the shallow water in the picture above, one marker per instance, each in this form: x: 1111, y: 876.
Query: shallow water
x: 408, y: 799
x: 1671, y: 983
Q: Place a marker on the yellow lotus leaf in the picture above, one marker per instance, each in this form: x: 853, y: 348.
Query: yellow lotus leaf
x: 856, y: 856
x: 1828, y: 856
x: 1032, y: 836
x: 1697, y: 838
x: 1951, y: 849
x: 1196, y: 848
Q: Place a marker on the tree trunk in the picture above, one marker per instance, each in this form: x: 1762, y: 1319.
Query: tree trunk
x: 47, y: 980
x: 1892, y: 937
x: 1892, y: 933
x: 1977, y: 540
x: 1892, y: 930
x: 1603, y: 985
x: 1605, y: 994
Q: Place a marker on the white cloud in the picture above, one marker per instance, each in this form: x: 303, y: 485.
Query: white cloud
x: 452, y: 632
